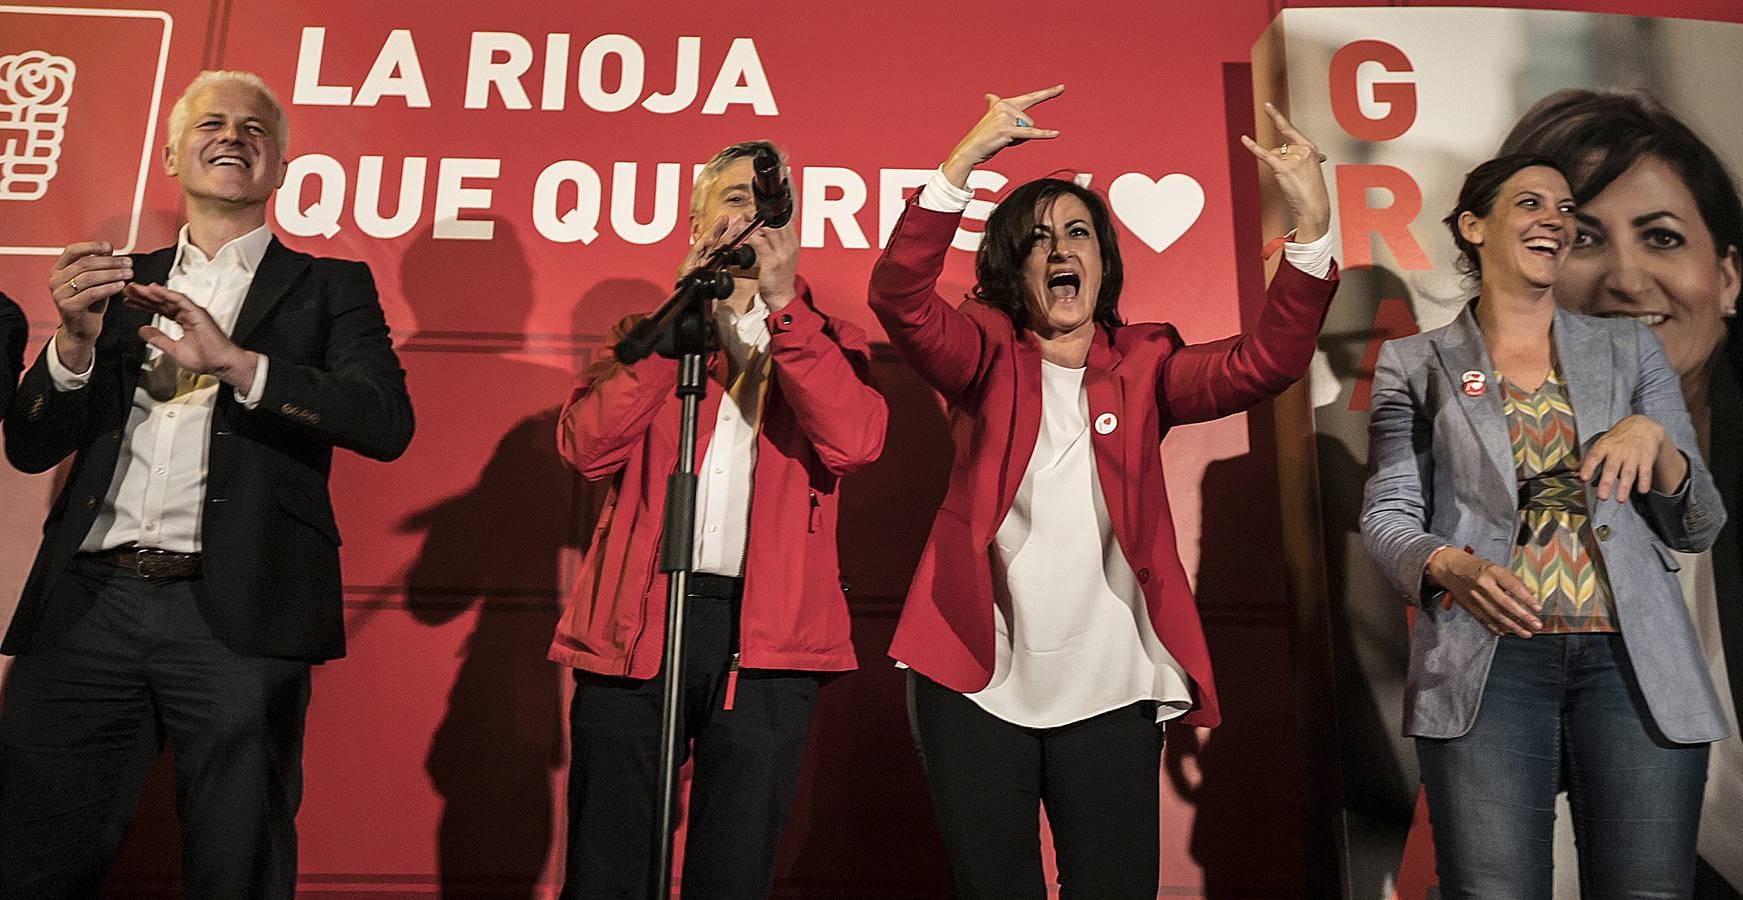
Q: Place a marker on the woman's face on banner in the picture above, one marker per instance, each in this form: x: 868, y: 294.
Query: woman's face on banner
x: 1643, y: 251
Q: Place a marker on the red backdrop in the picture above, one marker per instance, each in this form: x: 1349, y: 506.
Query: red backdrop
x: 538, y: 210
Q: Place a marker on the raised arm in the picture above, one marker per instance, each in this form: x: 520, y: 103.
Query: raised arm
x: 610, y: 408
x: 1207, y: 381
x: 354, y: 398
x: 939, y: 341
x: 823, y: 367
x: 49, y: 416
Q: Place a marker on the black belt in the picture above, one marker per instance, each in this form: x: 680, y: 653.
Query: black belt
x: 149, y: 563
x: 721, y: 587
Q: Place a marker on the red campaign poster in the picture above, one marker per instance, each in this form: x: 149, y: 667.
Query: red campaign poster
x: 517, y: 176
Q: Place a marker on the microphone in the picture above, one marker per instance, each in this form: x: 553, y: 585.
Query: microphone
x: 769, y: 185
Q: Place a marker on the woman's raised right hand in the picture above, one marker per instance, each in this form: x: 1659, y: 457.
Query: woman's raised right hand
x: 1006, y: 122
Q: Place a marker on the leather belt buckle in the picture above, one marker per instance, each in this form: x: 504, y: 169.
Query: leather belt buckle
x: 153, y: 564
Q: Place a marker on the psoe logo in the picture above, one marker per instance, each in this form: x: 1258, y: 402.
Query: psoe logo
x: 35, y: 87
x: 80, y: 92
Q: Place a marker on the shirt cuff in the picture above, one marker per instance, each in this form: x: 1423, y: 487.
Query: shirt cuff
x: 66, y: 379
x: 1312, y: 258
x: 939, y: 195
x: 257, y: 390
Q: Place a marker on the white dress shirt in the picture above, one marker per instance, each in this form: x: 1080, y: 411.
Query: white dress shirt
x: 723, y: 482
x: 158, y: 492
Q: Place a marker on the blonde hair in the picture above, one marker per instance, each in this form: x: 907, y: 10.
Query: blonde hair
x: 727, y: 156
x: 178, y: 114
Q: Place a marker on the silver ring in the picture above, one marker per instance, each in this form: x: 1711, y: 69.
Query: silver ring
x: 1284, y: 150
x: 1022, y: 122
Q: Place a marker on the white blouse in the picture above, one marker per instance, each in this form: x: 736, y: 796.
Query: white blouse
x: 1074, y: 638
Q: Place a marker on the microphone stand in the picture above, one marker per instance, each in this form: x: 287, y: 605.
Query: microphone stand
x: 681, y: 328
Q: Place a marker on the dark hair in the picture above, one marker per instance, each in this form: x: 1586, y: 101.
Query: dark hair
x: 1598, y: 135
x: 1010, y: 232
x: 1477, y: 197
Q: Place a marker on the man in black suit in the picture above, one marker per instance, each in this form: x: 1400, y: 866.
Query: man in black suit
x: 13, y: 329
x: 189, y: 571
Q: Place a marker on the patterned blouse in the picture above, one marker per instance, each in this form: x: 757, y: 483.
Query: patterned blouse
x: 1555, y: 553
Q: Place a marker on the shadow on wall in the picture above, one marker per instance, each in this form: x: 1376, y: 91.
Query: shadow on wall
x: 862, y: 821
x: 498, y: 547
x: 1367, y: 623
x: 1245, y: 783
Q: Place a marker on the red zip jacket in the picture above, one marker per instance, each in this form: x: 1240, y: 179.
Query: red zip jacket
x: 823, y: 417
x: 1141, y: 380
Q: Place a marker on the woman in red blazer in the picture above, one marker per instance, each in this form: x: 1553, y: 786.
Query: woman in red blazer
x: 1050, y: 628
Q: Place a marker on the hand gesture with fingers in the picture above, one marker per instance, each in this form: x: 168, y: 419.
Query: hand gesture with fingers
x: 203, y: 348
x: 1487, y: 590
x: 777, y: 262
x: 1007, y: 121
x: 1297, y: 166
x: 710, y: 237
x: 83, y: 279
x: 1629, y: 456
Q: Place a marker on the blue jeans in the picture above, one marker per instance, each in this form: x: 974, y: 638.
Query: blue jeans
x: 1554, y: 706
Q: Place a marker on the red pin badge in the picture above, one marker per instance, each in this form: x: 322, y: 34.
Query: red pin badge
x: 1475, y: 383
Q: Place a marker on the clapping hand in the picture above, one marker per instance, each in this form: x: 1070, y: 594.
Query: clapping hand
x: 83, y: 279
x: 203, y: 348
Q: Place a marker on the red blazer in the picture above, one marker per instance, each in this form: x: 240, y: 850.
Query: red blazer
x: 1143, y: 375
x: 822, y: 418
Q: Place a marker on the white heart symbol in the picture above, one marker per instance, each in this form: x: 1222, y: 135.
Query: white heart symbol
x: 1159, y: 211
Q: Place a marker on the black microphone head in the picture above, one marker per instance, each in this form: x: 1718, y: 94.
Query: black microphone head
x: 774, y: 194
x: 765, y: 162
x: 741, y: 257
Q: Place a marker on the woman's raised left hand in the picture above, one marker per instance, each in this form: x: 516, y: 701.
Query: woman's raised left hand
x: 1632, y: 457
x: 1296, y: 165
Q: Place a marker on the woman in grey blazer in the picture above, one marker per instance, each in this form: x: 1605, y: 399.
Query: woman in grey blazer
x: 1530, y: 468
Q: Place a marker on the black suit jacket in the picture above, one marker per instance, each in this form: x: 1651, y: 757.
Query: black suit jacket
x: 271, y: 548
x: 13, y: 329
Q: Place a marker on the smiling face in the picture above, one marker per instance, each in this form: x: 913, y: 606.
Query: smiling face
x: 1062, y: 271
x: 1643, y: 251
x: 1526, y: 234
x: 229, y: 151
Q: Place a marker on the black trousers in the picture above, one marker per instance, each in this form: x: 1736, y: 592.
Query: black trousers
x: 1098, y: 779
x: 747, y: 762
x: 83, y: 721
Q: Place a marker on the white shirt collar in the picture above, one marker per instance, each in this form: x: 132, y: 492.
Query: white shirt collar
x: 753, y: 315
x: 245, y: 251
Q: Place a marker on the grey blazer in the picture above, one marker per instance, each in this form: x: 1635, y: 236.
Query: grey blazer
x: 1442, y: 473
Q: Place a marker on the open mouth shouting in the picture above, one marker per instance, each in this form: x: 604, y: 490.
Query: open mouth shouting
x: 1063, y: 285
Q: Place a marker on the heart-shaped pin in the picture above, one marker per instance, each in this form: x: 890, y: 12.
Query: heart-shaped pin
x: 1157, y: 211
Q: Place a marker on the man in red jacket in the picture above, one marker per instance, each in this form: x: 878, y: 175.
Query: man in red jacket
x: 791, y: 408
